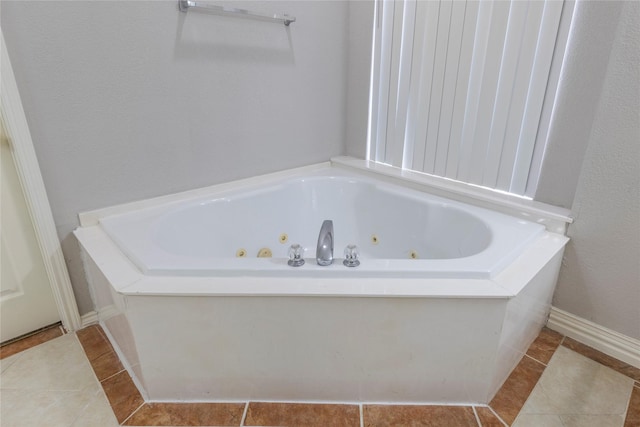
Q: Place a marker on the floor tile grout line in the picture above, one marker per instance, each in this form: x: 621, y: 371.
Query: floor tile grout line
x: 589, y: 356
x: 84, y: 408
x: 529, y: 395
x: 18, y: 356
x: 91, y: 362
x: 132, y: 413
x: 110, y: 376
x: 626, y: 410
x: 554, y: 351
x: 475, y: 413
x: 539, y: 361
x: 500, y: 418
x: 244, y: 414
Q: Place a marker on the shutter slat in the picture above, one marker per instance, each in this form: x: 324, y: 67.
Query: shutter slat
x: 459, y: 87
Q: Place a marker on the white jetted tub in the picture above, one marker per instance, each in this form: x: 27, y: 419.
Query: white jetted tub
x: 196, y: 292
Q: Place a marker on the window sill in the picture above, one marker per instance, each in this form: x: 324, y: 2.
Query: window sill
x: 554, y: 218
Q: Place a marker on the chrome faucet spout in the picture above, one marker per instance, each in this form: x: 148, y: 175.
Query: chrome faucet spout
x: 324, y: 250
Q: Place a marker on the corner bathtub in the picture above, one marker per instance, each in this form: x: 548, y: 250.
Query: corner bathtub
x: 445, y: 301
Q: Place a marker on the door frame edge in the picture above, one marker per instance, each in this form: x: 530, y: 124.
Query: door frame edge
x: 15, y: 124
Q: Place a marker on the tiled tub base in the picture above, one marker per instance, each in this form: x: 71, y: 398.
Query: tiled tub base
x: 507, y: 407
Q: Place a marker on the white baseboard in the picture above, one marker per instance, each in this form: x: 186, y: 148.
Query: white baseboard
x: 88, y: 319
x: 612, y: 343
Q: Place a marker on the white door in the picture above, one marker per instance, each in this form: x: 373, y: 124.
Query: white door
x: 26, y: 299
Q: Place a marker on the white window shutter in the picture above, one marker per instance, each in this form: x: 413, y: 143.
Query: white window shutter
x: 460, y: 85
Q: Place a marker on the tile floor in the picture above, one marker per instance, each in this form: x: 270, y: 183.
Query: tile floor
x: 51, y: 384
x: 56, y: 379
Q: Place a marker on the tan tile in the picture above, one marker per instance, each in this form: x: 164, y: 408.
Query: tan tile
x: 573, y: 384
x: 30, y: 341
x: 591, y: 420
x: 539, y: 403
x: 545, y: 345
x: 418, y: 415
x: 187, y: 414
x: 633, y: 410
x: 103, y: 358
x: 488, y: 418
x: 302, y: 414
x: 123, y: 395
x: 94, y: 342
x: 59, y: 364
x: 97, y: 413
x: 37, y: 408
x: 106, y: 365
x: 606, y: 360
x: 8, y: 361
x: 516, y: 389
x: 538, y: 420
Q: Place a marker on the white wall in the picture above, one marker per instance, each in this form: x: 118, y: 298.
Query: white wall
x: 580, y: 88
x: 361, y: 14
x: 600, y: 279
x: 129, y: 100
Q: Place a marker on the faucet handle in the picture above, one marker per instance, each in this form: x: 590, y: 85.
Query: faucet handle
x: 295, y: 255
x: 351, y: 256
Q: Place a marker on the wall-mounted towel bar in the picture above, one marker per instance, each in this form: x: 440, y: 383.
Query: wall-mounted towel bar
x: 185, y: 5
